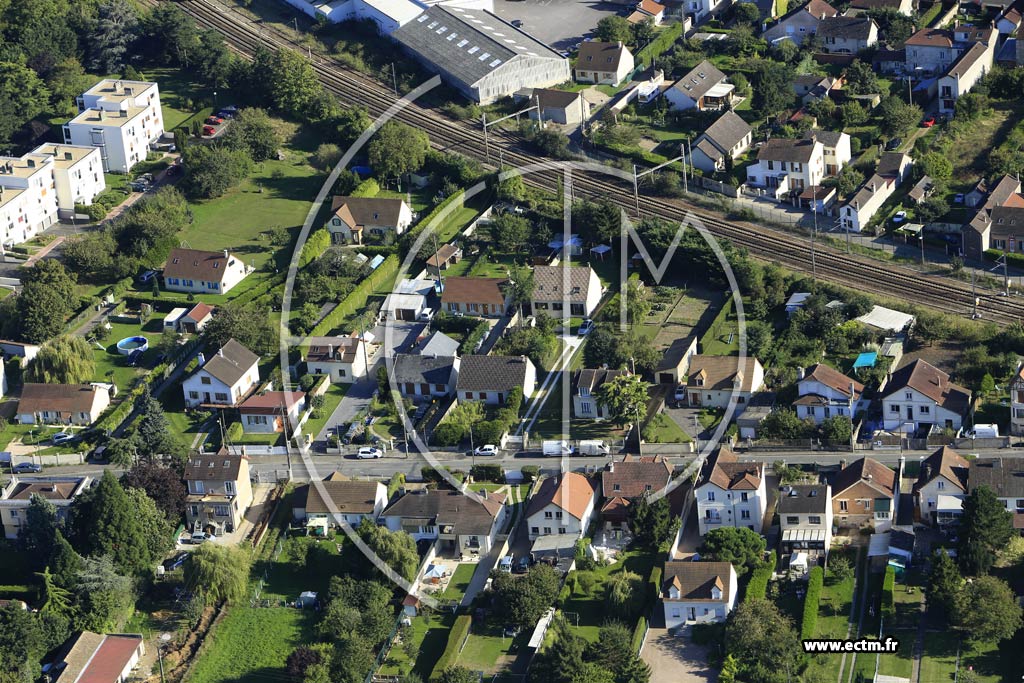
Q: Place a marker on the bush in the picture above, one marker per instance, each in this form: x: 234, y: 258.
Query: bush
x: 888, y: 587
x: 95, y: 212
x: 809, y: 623
x: 367, y: 188
x: 471, y: 340
x: 490, y: 431
x: 491, y: 473
x: 431, y: 475
x: 654, y: 583
x: 458, y: 634
x: 235, y: 431
x: 315, y: 245
x: 448, y: 434
x: 530, y: 473
x: 639, y: 631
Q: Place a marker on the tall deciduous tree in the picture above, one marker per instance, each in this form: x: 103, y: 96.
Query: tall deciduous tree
x: 624, y: 595
x: 625, y: 397
x: 396, y: 548
x: 763, y: 642
x: 105, y: 596
x: 39, y: 532
x: 897, y: 117
x: 157, y: 530
x: 397, y: 149
x: 652, y: 524
x: 163, y: 484
x: 25, y: 97
x: 254, y: 131
x: 116, y: 28
x: 985, y: 528
x: 249, y: 324
x: 22, y: 645
x: 218, y: 572
x: 522, y: 601
x: 63, y: 360
x: 45, y: 301
x: 612, y: 29
x: 741, y: 547
x: 459, y: 674
x: 510, y: 232
x: 987, y: 610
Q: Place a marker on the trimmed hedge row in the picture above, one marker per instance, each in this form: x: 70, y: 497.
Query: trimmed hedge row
x: 757, y: 587
x: 356, y: 299
x: 638, y: 634
x: 888, y: 588
x: 655, y: 583
x: 456, y: 637
x: 410, y: 237
x: 665, y: 40
x: 315, y: 245
x: 809, y: 623
x: 493, y: 473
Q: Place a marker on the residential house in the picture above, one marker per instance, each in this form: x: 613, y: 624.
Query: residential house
x: 704, y: 88
x: 786, y: 167
x: 203, y: 272
x: 824, y: 392
x: 562, y: 505
x: 196, y: 319
x: 334, y: 502
x: 358, y: 220
x: 484, y: 296
x: 95, y: 658
x: 13, y: 349
x: 701, y: 10
x: 120, y: 118
x: 1017, y: 402
x: 892, y: 170
x: 652, y: 10
x: 1010, y: 20
x: 410, y: 299
x: 624, y: 482
x: 801, y: 22
x: 730, y: 493
x: 422, y: 377
x: 463, y: 524
x: 77, y: 173
x: 697, y: 592
x: 864, y: 494
x: 997, y: 220
x: 724, y: 141
x: 714, y: 380
x: 272, y: 412
x: 921, y: 190
x: 556, y: 106
x: 439, y: 344
x: 16, y: 495
x: 553, y: 286
x: 219, y: 492
x: 585, y: 386
x: 604, y: 63
x: 223, y: 380
x: 28, y: 197
x: 812, y: 87
x: 805, y: 519
x: 490, y: 378
x: 843, y: 35
x: 919, y: 395
x: 343, y: 359
x: 941, y: 487
x: 931, y: 51
x: 835, y: 147
x: 62, y: 404
x: 675, y: 361
x: 1005, y: 478
x: 963, y: 74
x: 905, y: 7
x: 443, y: 259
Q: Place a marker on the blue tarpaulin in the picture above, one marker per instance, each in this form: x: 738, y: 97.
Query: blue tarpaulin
x: 866, y: 360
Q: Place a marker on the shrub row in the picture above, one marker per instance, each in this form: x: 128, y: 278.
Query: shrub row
x: 315, y: 245
x: 888, y: 588
x: 492, y: 473
x: 757, y: 587
x: 530, y: 473
x: 809, y: 623
x: 456, y: 637
x: 477, y: 335
x: 356, y: 299
x: 411, y: 236
x: 639, y: 631
x: 367, y: 188
x: 666, y: 38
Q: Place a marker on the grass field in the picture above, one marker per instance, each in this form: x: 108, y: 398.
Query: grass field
x: 485, y: 650
x: 663, y: 429
x: 111, y: 366
x: 459, y: 582
x: 332, y: 398
x: 590, y: 607
x: 428, y: 636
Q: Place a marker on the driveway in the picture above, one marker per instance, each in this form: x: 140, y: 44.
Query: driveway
x: 676, y: 659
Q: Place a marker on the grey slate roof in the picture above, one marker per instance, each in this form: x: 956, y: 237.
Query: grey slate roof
x: 439, y: 344
x: 231, y: 362
x: 473, y: 34
x: 726, y: 132
x: 449, y: 508
x: 782, y: 149
x: 699, y: 81
x: 548, y: 281
x: 804, y: 498
x: 889, y: 163
x: 829, y: 138
x: 492, y: 373
x: 592, y: 379
x: 1004, y: 476
x: 422, y: 369
x: 850, y: 28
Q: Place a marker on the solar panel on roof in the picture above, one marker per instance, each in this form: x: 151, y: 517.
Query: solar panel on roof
x: 452, y: 35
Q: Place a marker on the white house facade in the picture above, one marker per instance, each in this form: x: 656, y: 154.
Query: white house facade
x: 223, y: 380
x: 697, y: 592
x: 730, y: 493
x: 120, y: 118
x: 563, y: 505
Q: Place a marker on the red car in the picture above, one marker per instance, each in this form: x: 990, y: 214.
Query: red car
x: 209, y: 130
x: 928, y: 122
x: 215, y: 120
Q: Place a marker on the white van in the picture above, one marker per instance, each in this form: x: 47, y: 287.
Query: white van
x: 558, y: 448
x: 594, y: 448
x: 983, y: 431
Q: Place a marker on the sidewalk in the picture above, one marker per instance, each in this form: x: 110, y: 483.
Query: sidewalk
x: 31, y: 261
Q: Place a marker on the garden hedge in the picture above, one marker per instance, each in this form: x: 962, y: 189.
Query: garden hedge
x: 809, y: 623
x: 888, y: 587
x: 655, y: 583
x: 356, y: 299
x: 367, y: 188
x: 492, y: 473
x: 638, y: 634
x: 757, y: 587
x: 456, y: 637
x: 315, y: 245
x: 665, y: 39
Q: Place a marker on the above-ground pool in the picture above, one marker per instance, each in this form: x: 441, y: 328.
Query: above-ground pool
x: 129, y: 344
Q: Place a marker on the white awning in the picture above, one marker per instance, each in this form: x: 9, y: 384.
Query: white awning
x: 947, y: 503
x: 802, y: 535
x: 879, y: 545
x: 720, y: 90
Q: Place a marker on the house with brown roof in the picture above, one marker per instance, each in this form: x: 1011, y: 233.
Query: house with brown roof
x: 730, y: 493
x: 727, y: 138
x: 343, y: 359
x: 563, y: 505
x: 219, y: 492
x: 785, y: 166
x: 655, y: 11
x: 844, y: 35
x: 984, y: 231
x: 223, y: 380
x: 714, y: 380
x: 824, y: 392
x: 554, y: 285
x: 919, y: 395
x: 203, y: 272
x: 800, y: 23
x: 196, y: 318
x: 272, y: 412
x: 704, y: 88
x: 585, y: 386
x: 905, y: 7
x: 932, y: 51
x: 624, y: 482
x: 483, y: 296
x: 62, y: 404
x: 463, y: 524
x: 941, y: 487
x: 332, y: 502
x: 697, y: 592
x: 675, y: 361
x: 16, y: 495
x: 1005, y: 478
x: 603, y: 63
x: 864, y: 494
x: 95, y: 658
x: 359, y: 220
x: 443, y: 259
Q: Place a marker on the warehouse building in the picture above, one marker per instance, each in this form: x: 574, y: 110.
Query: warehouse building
x: 480, y: 55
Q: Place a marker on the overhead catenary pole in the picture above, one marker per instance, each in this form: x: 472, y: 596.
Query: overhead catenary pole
x: 814, y: 232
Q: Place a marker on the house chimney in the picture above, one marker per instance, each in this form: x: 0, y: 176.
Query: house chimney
x: 842, y: 464
x: 220, y: 352
x: 801, y: 372
x: 330, y: 349
x: 611, y: 466
x: 225, y: 253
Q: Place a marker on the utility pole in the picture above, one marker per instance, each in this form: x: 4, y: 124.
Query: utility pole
x: 920, y: 238
x: 636, y: 191
x: 814, y: 232
x: 394, y: 78
x: 974, y: 295
x: 487, y: 147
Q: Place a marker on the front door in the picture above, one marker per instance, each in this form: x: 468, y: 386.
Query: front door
x: 693, y: 614
x: 910, y: 412
x: 206, y: 397
x: 695, y: 398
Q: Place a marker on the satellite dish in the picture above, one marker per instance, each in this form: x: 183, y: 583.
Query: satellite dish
x: 165, y: 637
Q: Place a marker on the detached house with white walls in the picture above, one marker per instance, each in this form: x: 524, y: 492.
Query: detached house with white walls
x: 585, y: 386
x: 919, y: 395
x: 698, y: 592
x: 346, y: 500
x: 224, y: 380
x: 864, y: 494
x: 725, y: 139
x: 825, y: 392
x: 120, y: 118
x: 704, y: 88
x: 553, y: 287
x: 702, y: 10
x: 422, y: 378
x: 893, y: 168
x: 963, y: 74
x: 800, y: 23
x: 62, y: 404
x: 16, y: 496
x: 203, y: 272
x: 834, y: 146
x: 714, y: 380
x: 343, y: 359
x: 941, y: 487
x: 272, y: 412
x: 463, y: 524
x: 1005, y: 478
x: 1017, y: 402
x: 358, y: 220
x: 786, y: 167
x: 219, y: 492
x: 603, y: 63
x: 730, y: 493
x: 842, y: 35
x: 563, y: 505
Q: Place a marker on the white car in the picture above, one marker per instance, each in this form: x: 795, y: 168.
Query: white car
x: 369, y: 452
x: 426, y: 315
x: 900, y: 217
x: 487, y: 449
x: 680, y: 394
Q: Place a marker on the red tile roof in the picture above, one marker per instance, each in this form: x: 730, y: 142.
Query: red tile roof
x: 571, y: 491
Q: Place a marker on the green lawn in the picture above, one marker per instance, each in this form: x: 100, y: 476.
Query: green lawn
x: 722, y: 338
x: 459, y: 582
x: 938, y: 664
x: 663, y: 429
x: 111, y: 366
x: 589, y: 607
x: 332, y: 398
x: 901, y: 663
x: 833, y: 620
x: 485, y: 649
x: 428, y: 638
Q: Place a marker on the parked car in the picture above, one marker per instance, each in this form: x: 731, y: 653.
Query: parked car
x: 899, y: 217
x: 928, y: 122
x: 488, y: 449
x: 427, y: 315
x: 505, y: 564
x: 199, y: 537
x: 99, y: 456
x: 225, y: 114
x: 62, y: 437
x: 172, y: 563
x: 147, y: 276
x: 369, y: 452
x: 522, y: 564
x: 680, y: 394
x: 893, y: 144
x: 586, y: 327
x: 556, y: 448
x: 214, y: 120
x: 209, y: 130
x: 27, y: 468
x: 231, y: 109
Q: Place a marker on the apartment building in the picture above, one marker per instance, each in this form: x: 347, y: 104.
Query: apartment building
x: 120, y: 118
x: 28, y: 194
x: 77, y: 172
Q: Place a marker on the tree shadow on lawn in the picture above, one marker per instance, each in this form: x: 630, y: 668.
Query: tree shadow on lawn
x: 432, y: 645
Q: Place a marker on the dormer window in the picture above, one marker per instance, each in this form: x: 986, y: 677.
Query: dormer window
x: 716, y: 593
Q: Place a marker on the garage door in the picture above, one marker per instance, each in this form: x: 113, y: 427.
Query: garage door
x: 666, y: 378
x: 405, y: 314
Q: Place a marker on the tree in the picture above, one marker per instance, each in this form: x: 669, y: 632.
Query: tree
x: 326, y: 157
x: 22, y: 645
x: 742, y: 547
x: 396, y: 549
x: 104, y: 523
x: 783, y: 424
x: 39, y: 532
x: 893, y: 27
x: 56, y: 599
x: 787, y: 474
x: 219, y: 572
x: 638, y: 301
x: 970, y: 106
x: 210, y: 171
x: 613, y: 29
x: 987, y: 610
x: 459, y: 674
x: 522, y: 601
x: 397, y: 149
x: 215, y: 61
x: 625, y: 398
x: 653, y: 524
x: 510, y: 232
x: 248, y: 324
x: 642, y: 32
x: 624, y: 594
x: 985, y: 528
x: 519, y: 286
x: 852, y: 114
x: 846, y: 183
x: 115, y: 30
x: 254, y: 131
x: 64, y: 562
x: 105, y: 598
x: 62, y: 360
x: 157, y: 529
x: 25, y: 97
x: 897, y: 117
x: 861, y: 79
x: 839, y: 568
x: 772, y: 92
x: 512, y: 189
x: 747, y: 13
x: 936, y: 166
x: 153, y: 433
x: 45, y: 301
x: 290, y: 83
x: 944, y: 583
x: 837, y: 429
x: 163, y: 484
x: 763, y: 641
x: 931, y: 209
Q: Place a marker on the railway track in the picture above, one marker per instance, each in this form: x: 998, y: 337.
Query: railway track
x: 858, y: 272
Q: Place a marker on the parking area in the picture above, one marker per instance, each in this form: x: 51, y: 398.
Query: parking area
x: 559, y: 23
x: 676, y: 659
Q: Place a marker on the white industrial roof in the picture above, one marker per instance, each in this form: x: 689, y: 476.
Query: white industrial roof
x: 887, y: 319
x: 401, y: 11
